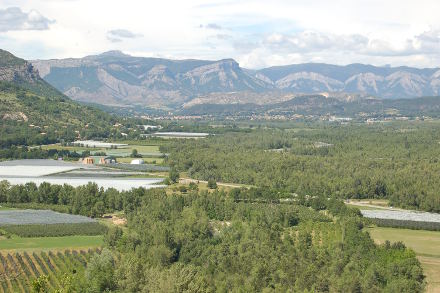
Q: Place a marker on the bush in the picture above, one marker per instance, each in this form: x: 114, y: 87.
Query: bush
x: 212, y: 184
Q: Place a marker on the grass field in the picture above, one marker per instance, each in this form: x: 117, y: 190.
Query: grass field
x: 46, y: 243
x: 426, y: 245
x: 128, y: 149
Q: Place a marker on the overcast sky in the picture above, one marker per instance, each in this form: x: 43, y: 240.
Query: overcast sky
x: 255, y: 33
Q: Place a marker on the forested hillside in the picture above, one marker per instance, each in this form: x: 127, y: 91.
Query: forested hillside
x: 33, y: 112
x: 237, y: 241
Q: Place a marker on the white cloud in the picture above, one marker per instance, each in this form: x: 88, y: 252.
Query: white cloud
x: 14, y: 19
x: 117, y: 35
x: 256, y: 33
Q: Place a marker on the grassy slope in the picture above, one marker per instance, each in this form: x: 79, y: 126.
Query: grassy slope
x: 426, y: 244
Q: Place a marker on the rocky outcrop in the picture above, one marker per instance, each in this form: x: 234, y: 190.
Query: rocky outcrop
x: 19, y: 73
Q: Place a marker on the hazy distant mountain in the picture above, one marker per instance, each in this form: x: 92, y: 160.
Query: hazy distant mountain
x: 114, y: 78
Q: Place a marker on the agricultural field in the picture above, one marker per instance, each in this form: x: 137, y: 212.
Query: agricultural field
x: 146, y: 160
x: 25, y: 217
x: 426, y: 244
x: 75, y: 174
x: 403, y: 219
x: 34, y: 168
x: 98, y: 144
x: 120, y: 184
x: 46, y: 243
x: 402, y: 215
x: 125, y: 151
x: 19, y: 269
x: 180, y: 134
x: 18, y: 224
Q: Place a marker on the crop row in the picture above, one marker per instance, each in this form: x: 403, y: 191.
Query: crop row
x: 27, y: 217
x: 55, y: 230
x: 18, y: 270
x: 408, y: 224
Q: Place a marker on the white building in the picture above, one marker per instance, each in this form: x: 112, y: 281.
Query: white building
x: 137, y: 162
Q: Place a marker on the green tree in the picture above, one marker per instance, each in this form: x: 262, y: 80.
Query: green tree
x: 212, y: 184
x: 135, y: 154
x: 174, y: 175
x: 112, y: 236
x: 100, y: 272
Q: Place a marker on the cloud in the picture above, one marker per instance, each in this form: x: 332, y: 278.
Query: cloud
x: 117, y: 35
x: 315, y: 46
x: 254, y: 32
x: 14, y: 19
x: 212, y: 26
x: 223, y: 36
x: 313, y: 41
x: 308, y: 42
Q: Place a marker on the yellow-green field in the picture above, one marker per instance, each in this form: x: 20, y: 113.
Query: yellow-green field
x: 426, y: 244
x: 44, y: 243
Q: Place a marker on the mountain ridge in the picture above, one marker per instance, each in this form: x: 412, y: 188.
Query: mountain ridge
x: 116, y: 78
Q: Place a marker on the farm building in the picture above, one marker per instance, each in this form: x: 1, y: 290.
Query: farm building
x: 137, y: 162
x: 99, y: 160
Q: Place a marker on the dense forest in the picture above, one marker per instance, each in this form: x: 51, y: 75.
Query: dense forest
x: 397, y: 161
x: 219, y: 242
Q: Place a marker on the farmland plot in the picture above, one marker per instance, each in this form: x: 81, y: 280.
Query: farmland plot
x: 402, y: 215
x: 58, y: 172
x: 25, y: 217
x: 19, y: 269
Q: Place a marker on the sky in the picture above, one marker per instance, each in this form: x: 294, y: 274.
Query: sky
x: 255, y: 33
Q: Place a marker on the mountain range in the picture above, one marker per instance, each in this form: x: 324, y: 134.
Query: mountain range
x: 115, y: 78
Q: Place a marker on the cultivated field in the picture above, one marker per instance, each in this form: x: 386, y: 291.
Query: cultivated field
x: 426, y: 245
x: 45, y: 243
x: 98, y: 144
x: 19, y: 269
x: 146, y: 160
x: 58, y: 172
x: 34, y: 168
x: 24, y: 217
x: 126, y: 151
x: 402, y: 215
x: 180, y: 134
